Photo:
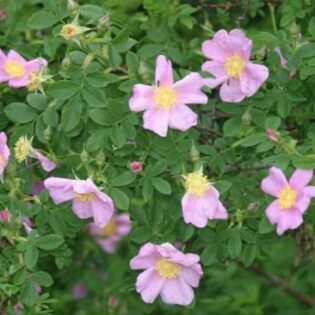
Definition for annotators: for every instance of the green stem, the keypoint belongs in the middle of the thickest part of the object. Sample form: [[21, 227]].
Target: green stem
[[273, 17]]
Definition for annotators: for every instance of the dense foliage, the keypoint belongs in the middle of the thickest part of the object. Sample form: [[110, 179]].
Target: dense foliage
[[77, 115]]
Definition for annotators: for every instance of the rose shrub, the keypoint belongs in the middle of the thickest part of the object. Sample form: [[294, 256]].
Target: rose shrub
[[139, 143]]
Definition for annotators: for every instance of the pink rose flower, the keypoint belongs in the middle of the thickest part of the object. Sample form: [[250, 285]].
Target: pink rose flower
[[164, 103], [16, 70], [231, 67], [136, 166], [109, 236], [4, 152], [87, 200], [201, 201], [5, 215], [167, 272], [293, 197]]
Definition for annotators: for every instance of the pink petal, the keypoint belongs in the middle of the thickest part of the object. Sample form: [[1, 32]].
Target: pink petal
[[82, 209], [146, 258], [108, 245], [12, 54], [18, 82], [221, 212], [274, 182], [149, 285], [156, 120], [4, 152], [300, 178], [142, 98], [191, 276], [123, 224], [302, 203], [45, 163], [253, 78], [219, 47], [216, 68], [177, 291], [60, 189], [182, 118], [283, 61], [290, 219], [163, 71], [102, 212], [193, 211], [309, 191], [3, 75], [231, 91], [189, 90], [273, 212], [240, 43], [36, 65]]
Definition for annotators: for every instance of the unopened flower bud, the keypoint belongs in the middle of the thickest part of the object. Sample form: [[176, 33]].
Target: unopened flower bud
[[104, 22], [246, 118], [88, 59], [5, 216], [144, 71], [194, 153], [84, 156], [136, 166], [272, 135], [65, 64], [47, 134], [100, 158], [72, 7]]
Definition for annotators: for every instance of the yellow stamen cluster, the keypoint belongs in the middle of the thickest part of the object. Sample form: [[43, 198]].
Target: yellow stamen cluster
[[197, 184], [22, 149], [165, 97], [85, 197], [14, 68], [287, 198], [69, 31], [110, 228], [34, 81], [167, 269], [234, 66]]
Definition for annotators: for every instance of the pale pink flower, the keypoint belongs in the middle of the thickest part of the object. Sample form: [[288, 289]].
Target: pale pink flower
[[201, 201], [136, 166], [5, 215], [79, 291], [109, 236], [231, 67], [4, 152], [16, 70], [272, 135], [164, 103], [167, 272], [87, 200], [293, 197]]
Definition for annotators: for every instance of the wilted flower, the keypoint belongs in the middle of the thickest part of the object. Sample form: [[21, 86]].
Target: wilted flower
[[87, 200], [72, 30], [201, 201], [284, 62], [23, 149], [293, 197], [164, 103], [136, 166], [109, 236], [167, 272], [16, 70], [4, 152], [231, 67]]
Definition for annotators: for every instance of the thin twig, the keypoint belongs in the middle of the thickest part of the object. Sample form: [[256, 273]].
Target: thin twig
[[229, 5], [284, 285], [209, 130]]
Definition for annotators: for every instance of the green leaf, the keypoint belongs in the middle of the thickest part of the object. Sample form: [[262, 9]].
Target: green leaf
[[43, 278], [101, 116], [28, 292], [232, 127], [123, 179], [37, 101], [63, 89], [51, 117], [248, 255], [49, 242], [96, 141], [161, 185], [120, 198], [117, 135], [252, 140], [41, 20], [94, 97], [31, 256], [20, 113], [265, 226], [234, 244], [140, 235], [273, 122], [71, 114]]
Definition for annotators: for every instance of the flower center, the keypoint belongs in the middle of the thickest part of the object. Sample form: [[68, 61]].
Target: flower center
[[86, 197], [167, 269], [69, 31], [22, 149], [14, 68], [234, 66], [197, 184], [165, 97], [110, 228], [34, 81], [287, 198]]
